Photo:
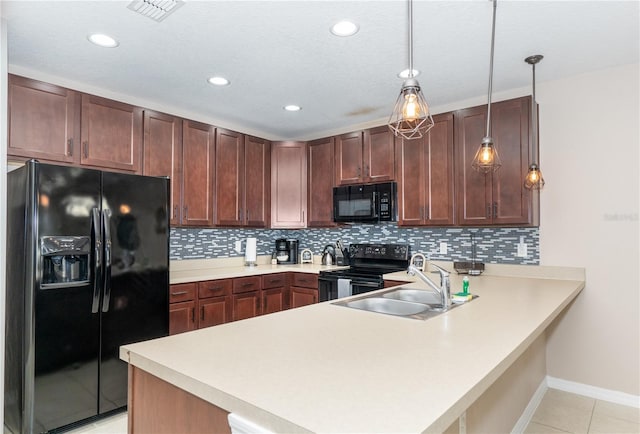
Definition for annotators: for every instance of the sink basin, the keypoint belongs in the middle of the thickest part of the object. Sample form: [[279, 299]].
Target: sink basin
[[388, 305], [416, 295]]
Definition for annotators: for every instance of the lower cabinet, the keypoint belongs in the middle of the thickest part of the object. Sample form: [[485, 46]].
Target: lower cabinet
[[304, 289], [212, 302]]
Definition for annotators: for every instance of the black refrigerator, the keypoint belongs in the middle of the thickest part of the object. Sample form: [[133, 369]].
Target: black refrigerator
[[87, 271]]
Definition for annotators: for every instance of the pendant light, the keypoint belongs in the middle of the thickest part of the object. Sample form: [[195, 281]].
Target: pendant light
[[410, 118], [534, 179], [486, 159]]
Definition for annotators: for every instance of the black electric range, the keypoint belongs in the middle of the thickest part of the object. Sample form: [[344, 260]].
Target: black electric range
[[368, 263]]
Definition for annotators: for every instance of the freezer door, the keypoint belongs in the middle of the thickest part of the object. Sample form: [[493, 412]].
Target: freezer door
[[63, 354], [135, 298]]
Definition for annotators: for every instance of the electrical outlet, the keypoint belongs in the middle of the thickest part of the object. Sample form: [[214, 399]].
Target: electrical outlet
[[238, 247], [443, 248], [522, 249]]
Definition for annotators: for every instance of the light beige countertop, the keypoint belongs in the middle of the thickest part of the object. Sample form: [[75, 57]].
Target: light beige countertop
[[327, 368], [208, 269]]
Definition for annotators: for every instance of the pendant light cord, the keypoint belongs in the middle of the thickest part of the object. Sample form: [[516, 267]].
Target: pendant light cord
[[534, 119], [410, 38], [493, 37]]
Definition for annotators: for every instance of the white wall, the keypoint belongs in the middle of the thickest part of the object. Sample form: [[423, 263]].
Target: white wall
[[3, 190], [589, 139]]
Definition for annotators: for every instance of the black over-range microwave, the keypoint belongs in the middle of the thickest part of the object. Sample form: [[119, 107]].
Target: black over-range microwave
[[365, 203]]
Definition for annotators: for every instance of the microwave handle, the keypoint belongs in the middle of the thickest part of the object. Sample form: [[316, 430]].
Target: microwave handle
[[375, 205]]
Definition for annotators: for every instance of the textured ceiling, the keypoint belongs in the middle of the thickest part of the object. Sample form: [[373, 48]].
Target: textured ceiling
[[281, 52]]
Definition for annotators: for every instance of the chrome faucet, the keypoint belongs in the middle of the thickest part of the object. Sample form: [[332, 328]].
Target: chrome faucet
[[445, 287]]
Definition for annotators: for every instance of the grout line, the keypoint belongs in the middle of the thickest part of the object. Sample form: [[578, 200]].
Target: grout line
[[593, 408]]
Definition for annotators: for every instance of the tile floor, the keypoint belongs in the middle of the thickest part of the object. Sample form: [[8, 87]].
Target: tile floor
[[559, 412], [564, 412]]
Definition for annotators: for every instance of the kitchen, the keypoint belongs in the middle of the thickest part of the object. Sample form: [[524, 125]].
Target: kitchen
[[584, 221]]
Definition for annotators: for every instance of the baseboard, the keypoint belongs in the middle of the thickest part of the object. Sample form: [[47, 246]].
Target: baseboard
[[594, 392], [530, 409]]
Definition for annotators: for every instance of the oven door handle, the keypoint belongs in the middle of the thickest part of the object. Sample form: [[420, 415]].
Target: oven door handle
[[365, 283]]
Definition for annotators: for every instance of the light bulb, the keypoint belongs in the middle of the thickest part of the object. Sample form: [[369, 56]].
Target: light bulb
[[486, 155], [411, 108], [534, 179]]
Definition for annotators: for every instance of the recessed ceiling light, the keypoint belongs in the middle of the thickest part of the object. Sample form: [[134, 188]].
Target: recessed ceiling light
[[344, 28], [219, 81], [103, 40], [292, 108], [405, 73]]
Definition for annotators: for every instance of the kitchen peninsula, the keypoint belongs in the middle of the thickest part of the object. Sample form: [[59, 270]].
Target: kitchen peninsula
[[328, 368]]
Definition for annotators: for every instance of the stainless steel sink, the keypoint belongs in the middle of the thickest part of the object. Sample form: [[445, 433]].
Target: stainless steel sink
[[403, 302], [416, 295], [388, 305]]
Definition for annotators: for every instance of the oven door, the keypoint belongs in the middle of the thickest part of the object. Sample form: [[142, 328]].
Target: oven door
[[333, 287]]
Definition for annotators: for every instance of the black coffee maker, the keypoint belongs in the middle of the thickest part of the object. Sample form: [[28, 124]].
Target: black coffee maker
[[287, 251]]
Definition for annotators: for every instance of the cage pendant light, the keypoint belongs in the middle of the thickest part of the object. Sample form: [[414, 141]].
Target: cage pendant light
[[534, 179], [487, 159], [410, 118]]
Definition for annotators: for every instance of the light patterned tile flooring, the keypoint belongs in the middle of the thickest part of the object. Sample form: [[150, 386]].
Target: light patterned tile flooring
[[559, 412]]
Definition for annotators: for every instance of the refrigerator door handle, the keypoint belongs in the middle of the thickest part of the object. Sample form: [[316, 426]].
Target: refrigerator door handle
[[106, 221], [97, 253]]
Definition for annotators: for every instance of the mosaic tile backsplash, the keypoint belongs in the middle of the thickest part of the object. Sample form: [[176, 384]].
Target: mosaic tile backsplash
[[492, 245]]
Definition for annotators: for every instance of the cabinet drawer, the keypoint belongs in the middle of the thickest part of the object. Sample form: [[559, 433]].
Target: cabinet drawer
[[274, 280], [246, 284], [182, 292], [214, 288], [306, 280]]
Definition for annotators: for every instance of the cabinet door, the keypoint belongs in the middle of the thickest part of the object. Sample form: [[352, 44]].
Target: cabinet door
[[510, 128], [257, 198], [198, 162], [439, 187], [182, 317], [44, 121], [288, 185], [348, 158], [303, 296], [246, 305], [473, 188], [111, 134], [321, 181], [163, 154], [411, 181], [214, 311], [378, 155], [229, 178], [274, 300]]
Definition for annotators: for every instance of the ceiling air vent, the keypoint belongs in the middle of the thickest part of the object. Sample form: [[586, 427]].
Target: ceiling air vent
[[157, 10]]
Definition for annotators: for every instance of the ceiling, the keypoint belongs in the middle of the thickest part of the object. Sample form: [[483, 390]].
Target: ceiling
[[281, 52]]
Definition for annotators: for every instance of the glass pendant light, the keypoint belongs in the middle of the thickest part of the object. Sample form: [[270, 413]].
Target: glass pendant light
[[534, 179], [410, 118], [486, 159]]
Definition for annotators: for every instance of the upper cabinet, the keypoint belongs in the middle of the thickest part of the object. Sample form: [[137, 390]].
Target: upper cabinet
[[365, 156], [425, 176], [320, 191], [198, 166], [163, 154], [497, 198], [111, 134], [44, 121], [242, 180], [288, 184], [55, 124]]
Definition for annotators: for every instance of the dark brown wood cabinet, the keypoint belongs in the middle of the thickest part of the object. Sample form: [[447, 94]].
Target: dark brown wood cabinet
[[320, 190], [246, 297], [163, 155], [198, 165], [111, 134], [365, 156], [242, 180], [304, 289], [288, 185], [497, 198], [275, 293], [182, 308], [425, 177], [44, 121]]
